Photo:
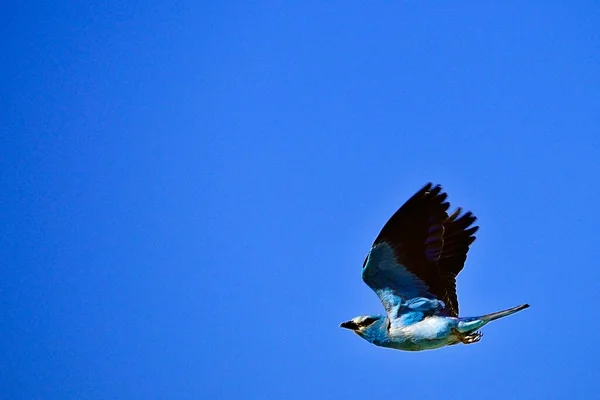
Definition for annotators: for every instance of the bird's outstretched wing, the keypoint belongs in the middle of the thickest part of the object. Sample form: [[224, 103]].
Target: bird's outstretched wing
[[419, 252]]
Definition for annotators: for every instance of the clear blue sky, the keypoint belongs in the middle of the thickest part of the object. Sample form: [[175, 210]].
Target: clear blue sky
[[189, 191]]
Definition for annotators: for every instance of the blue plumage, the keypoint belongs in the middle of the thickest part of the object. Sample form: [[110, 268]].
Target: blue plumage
[[412, 267]]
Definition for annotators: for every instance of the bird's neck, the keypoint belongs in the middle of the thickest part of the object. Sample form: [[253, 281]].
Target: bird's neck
[[377, 332]]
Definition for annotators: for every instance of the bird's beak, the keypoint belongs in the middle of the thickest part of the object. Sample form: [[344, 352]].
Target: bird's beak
[[349, 325]]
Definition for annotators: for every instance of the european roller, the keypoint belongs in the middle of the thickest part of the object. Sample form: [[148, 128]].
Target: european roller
[[412, 267]]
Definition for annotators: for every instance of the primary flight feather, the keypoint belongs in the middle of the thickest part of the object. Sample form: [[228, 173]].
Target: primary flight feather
[[412, 267]]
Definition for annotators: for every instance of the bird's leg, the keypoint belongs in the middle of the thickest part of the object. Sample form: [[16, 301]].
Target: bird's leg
[[468, 338]]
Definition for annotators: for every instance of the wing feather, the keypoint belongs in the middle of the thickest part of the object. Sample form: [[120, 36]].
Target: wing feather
[[420, 251]]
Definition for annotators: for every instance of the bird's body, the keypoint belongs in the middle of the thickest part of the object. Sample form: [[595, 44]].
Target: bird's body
[[412, 266], [428, 333]]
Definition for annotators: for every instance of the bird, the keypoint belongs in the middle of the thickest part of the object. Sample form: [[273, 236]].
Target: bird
[[412, 267]]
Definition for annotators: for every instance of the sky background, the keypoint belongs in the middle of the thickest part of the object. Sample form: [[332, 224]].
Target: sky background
[[189, 191]]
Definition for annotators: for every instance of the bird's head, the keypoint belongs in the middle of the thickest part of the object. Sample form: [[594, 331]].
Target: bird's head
[[363, 324]]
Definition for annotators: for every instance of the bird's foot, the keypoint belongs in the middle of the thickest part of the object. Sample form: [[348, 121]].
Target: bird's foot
[[472, 337]]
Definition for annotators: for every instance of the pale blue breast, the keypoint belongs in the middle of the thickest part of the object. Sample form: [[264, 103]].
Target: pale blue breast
[[430, 333]]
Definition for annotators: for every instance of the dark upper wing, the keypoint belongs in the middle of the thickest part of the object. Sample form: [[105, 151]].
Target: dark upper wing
[[428, 243], [458, 236]]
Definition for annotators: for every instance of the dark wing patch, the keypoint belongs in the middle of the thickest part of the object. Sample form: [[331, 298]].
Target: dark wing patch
[[458, 236], [430, 244], [415, 233]]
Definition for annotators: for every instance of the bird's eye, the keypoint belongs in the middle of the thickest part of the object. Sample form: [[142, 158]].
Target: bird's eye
[[368, 321]]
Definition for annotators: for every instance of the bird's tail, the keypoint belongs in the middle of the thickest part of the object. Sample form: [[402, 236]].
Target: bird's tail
[[504, 313], [472, 323]]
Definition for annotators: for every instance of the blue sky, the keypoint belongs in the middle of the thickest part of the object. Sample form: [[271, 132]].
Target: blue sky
[[189, 191]]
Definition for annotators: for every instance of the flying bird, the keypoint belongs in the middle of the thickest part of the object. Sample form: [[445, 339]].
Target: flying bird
[[412, 267]]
